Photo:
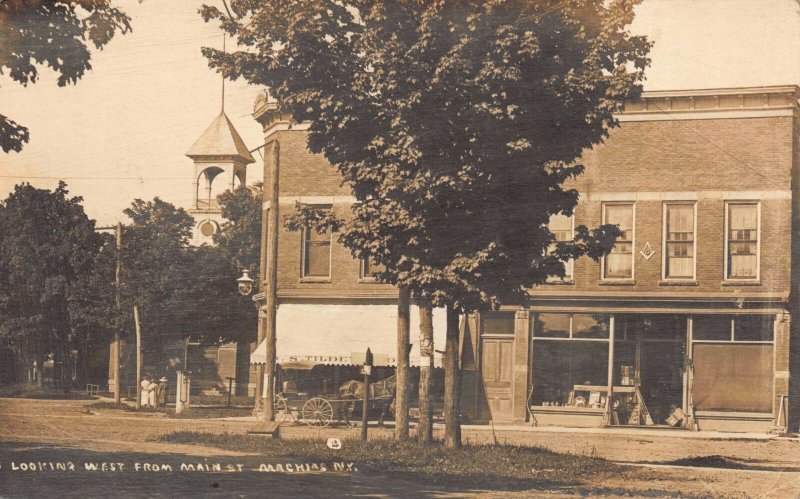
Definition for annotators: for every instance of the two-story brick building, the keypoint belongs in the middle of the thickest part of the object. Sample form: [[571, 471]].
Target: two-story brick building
[[686, 322]]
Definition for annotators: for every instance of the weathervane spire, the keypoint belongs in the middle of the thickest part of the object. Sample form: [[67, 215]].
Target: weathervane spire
[[223, 76]]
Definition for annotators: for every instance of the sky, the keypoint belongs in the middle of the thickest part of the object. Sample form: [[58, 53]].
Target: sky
[[123, 130]]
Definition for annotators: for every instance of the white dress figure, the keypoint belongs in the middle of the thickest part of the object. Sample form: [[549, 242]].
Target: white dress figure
[[145, 398], [151, 394]]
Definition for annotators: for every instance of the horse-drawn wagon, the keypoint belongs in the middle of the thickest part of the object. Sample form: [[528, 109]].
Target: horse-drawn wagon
[[322, 409]]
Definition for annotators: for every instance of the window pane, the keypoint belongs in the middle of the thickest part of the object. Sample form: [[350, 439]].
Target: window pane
[[621, 215], [561, 227], [369, 268], [743, 217], [711, 327], [590, 326], [497, 322], [731, 377], [753, 328], [560, 223], [318, 259], [680, 241], [619, 263], [312, 235], [551, 325], [742, 241], [651, 327], [560, 365]]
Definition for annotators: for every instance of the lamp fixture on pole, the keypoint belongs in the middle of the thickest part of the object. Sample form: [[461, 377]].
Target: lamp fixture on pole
[[245, 283]]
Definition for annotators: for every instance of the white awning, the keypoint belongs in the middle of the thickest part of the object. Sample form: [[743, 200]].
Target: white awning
[[341, 334]]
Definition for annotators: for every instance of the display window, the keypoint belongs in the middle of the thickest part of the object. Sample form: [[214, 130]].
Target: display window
[[733, 363], [570, 360]]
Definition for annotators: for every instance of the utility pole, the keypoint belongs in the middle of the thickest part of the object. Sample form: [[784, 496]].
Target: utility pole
[[114, 351], [271, 276], [118, 298], [138, 359]]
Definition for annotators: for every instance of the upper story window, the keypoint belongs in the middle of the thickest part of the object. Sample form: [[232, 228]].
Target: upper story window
[[619, 263], [316, 253], [562, 228], [367, 270], [742, 240], [679, 241]]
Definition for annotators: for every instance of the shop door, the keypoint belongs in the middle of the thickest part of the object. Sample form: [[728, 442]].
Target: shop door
[[496, 367]]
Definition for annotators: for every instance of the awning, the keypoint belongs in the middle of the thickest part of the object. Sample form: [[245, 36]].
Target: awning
[[341, 334]]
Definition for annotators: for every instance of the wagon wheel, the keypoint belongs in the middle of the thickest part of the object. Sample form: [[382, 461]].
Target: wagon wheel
[[280, 409], [317, 412]]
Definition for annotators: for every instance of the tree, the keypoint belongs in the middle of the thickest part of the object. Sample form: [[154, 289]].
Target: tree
[[221, 312], [54, 33], [48, 249], [455, 124]]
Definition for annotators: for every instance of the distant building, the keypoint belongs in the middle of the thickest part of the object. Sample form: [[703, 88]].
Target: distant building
[[685, 323], [220, 163]]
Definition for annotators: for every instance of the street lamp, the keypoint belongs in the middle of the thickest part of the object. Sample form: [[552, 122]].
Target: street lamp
[[245, 283]]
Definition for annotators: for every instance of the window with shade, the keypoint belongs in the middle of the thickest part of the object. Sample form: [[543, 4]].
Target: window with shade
[[742, 241], [733, 362], [679, 238], [562, 228], [316, 253], [618, 264]]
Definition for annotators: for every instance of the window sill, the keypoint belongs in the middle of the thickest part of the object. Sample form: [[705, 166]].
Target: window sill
[[368, 280], [561, 282], [732, 282], [617, 282], [315, 279], [676, 282]]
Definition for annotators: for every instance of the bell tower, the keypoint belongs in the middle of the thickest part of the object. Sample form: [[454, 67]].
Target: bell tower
[[220, 163]]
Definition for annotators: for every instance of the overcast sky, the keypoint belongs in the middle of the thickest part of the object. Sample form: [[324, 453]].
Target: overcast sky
[[122, 132]]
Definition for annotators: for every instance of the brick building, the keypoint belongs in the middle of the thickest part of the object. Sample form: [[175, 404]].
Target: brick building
[[686, 322]]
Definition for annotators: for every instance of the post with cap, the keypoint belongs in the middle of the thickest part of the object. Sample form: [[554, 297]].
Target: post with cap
[[367, 371]]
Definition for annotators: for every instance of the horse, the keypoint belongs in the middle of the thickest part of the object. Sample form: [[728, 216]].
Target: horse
[[383, 391]]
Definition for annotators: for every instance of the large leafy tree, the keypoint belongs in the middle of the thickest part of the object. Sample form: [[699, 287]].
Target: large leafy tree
[[455, 123], [52, 33], [221, 313], [48, 252]]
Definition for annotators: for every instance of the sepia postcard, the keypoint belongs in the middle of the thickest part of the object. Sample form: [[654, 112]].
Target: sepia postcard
[[329, 248]]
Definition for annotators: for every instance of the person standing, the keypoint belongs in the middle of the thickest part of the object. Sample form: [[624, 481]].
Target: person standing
[[144, 400], [161, 392]]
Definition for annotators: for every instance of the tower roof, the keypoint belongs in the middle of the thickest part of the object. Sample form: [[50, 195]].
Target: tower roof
[[221, 139]]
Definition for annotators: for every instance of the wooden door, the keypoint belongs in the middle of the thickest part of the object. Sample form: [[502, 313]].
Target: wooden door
[[496, 368]]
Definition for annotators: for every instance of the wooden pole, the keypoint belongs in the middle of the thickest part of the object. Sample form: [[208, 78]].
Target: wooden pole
[[115, 350], [452, 380], [403, 351], [138, 358], [365, 406], [272, 284], [425, 428]]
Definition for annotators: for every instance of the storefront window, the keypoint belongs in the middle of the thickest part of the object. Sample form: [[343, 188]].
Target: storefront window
[[558, 366], [570, 359], [733, 373], [551, 325], [590, 326]]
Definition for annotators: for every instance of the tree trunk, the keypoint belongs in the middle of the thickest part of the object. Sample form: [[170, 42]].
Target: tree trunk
[[425, 429], [403, 351], [452, 380]]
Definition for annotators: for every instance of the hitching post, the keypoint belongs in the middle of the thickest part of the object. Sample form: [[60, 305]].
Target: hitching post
[[230, 389], [367, 371]]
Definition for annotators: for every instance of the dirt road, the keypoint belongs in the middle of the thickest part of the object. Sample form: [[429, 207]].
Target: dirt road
[[45, 433]]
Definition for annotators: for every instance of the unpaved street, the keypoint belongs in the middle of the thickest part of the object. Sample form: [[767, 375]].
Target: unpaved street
[[45, 433]]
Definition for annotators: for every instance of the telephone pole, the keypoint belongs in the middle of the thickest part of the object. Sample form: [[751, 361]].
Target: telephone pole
[[116, 347]]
